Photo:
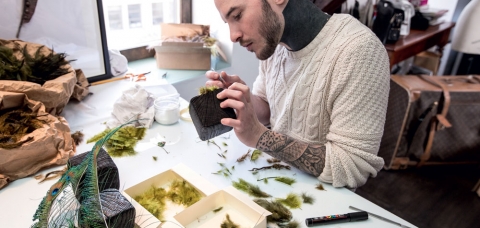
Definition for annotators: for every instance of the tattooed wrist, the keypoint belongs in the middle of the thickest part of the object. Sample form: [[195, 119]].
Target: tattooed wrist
[[306, 157], [271, 141]]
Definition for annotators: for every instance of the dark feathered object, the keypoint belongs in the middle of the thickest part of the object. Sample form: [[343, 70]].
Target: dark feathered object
[[14, 124], [206, 114], [37, 68], [45, 67], [280, 214]]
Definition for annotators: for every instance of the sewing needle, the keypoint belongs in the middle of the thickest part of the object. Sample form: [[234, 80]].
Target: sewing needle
[[220, 78]]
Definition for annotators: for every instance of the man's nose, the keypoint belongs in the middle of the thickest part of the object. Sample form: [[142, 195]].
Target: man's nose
[[235, 34]]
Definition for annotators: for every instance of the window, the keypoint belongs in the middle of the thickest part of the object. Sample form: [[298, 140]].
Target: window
[[135, 16], [157, 13], [115, 17], [135, 23]]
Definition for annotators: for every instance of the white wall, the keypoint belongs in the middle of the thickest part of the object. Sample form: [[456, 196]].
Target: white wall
[[205, 12], [444, 4], [450, 6], [243, 63]]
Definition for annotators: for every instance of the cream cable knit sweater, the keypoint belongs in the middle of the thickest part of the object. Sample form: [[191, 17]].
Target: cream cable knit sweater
[[333, 92]]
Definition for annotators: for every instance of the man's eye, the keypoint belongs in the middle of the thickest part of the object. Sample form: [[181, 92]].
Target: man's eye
[[237, 17]]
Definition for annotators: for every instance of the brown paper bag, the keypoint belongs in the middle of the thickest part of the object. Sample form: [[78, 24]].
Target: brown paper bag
[[80, 90], [51, 145], [54, 94]]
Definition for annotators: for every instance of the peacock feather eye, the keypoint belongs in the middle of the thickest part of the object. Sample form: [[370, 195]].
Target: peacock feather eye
[[54, 192]]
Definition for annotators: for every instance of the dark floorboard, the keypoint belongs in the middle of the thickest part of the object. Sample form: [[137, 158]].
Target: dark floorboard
[[430, 197]]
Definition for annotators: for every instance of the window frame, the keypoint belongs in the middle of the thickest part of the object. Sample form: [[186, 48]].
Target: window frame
[[141, 52]]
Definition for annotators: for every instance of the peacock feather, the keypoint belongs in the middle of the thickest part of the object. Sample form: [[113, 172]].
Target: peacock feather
[[74, 201]]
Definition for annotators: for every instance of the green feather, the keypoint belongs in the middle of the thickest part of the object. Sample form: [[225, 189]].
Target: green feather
[[61, 211], [255, 155], [286, 180], [252, 190], [292, 201]]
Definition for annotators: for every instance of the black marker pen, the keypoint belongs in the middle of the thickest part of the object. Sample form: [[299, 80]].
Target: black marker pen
[[349, 217]]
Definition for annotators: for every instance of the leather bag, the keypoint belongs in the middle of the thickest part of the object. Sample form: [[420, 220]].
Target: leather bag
[[432, 120], [388, 22]]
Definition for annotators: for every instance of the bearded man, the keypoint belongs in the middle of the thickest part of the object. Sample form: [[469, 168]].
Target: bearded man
[[320, 99]]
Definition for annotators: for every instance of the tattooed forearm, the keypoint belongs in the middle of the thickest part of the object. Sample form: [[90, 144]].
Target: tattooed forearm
[[306, 157]]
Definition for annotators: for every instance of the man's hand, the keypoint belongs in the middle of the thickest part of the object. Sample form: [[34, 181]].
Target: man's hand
[[214, 79], [247, 127]]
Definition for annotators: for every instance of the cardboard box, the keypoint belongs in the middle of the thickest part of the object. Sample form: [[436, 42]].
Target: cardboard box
[[145, 218], [183, 56], [241, 209], [428, 60], [170, 30]]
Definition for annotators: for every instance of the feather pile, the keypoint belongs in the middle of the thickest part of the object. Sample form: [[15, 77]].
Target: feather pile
[[37, 68], [15, 124]]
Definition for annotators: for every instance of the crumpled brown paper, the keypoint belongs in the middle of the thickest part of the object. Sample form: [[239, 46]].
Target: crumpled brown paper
[[54, 94], [52, 145], [80, 90]]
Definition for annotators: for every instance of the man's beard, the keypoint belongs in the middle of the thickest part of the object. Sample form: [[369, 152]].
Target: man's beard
[[270, 29]]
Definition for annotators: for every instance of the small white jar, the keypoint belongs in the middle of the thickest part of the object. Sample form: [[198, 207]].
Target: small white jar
[[167, 110]]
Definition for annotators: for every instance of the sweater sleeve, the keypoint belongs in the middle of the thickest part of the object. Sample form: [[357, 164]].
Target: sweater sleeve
[[259, 86], [357, 105]]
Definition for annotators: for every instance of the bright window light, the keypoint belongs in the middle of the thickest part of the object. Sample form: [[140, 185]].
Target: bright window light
[[135, 23]]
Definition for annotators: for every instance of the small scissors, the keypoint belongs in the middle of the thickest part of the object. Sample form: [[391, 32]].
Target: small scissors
[[139, 77]]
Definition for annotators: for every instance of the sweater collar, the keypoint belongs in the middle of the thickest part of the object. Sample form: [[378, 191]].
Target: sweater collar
[[303, 22], [317, 40]]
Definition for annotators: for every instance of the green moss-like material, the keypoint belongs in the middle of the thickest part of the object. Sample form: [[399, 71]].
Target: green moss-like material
[[206, 89], [228, 223], [286, 180], [280, 214], [122, 143], [181, 192], [250, 189], [255, 155], [154, 201], [292, 201], [307, 198]]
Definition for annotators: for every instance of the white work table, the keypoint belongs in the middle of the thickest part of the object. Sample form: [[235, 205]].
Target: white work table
[[20, 199]]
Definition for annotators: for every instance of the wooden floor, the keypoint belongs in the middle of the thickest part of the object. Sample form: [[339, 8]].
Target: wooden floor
[[435, 196]]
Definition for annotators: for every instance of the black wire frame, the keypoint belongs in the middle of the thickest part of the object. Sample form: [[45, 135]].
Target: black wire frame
[[103, 37]]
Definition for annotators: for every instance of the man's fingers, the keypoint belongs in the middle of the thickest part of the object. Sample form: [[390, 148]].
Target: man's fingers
[[228, 93], [230, 79], [212, 75], [231, 122], [238, 105], [218, 84], [243, 88]]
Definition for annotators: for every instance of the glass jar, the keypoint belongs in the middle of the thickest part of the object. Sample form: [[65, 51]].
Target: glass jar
[[167, 110]]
